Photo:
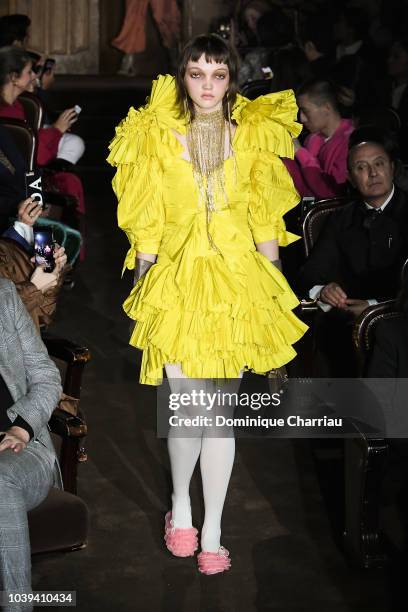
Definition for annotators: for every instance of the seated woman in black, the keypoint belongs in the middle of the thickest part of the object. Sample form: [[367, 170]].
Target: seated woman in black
[[12, 178]]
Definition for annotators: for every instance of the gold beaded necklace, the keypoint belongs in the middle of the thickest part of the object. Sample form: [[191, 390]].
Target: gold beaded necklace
[[206, 147]]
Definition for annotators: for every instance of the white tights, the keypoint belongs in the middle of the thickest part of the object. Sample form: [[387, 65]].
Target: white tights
[[216, 462]]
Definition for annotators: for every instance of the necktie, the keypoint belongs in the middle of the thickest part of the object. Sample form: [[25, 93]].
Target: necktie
[[370, 215]]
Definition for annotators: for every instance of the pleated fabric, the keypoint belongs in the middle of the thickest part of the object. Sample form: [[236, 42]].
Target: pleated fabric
[[215, 311]]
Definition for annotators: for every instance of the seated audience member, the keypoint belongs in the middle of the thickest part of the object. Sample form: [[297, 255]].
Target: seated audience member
[[273, 30], [290, 69], [16, 76], [350, 33], [252, 12], [387, 120], [358, 67], [12, 178], [14, 30], [320, 165], [30, 387], [359, 254], [71, 147], [316, 37], [389, 359], [12, 188], [38, 289], [398, 70]]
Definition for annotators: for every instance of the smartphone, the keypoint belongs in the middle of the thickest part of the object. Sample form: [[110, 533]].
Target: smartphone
[[49, 64], [77, 109], [44, 248]]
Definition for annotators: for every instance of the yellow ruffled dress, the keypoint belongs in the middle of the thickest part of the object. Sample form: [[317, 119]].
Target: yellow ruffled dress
[[213, 311]]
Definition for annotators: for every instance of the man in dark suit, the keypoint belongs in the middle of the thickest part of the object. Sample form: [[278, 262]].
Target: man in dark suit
[[358, 258]]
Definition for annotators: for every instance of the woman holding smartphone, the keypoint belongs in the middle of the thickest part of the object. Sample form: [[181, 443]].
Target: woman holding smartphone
[[16, 77], [202, 192]]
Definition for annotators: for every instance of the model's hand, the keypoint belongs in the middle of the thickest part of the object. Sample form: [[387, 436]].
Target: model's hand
[[356, 306], [334, 295], [66, 119], [28, 211], [143, 263], [43, 280], [15, 438]]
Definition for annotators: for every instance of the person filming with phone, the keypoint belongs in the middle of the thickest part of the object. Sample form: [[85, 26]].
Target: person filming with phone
[[37, 286]]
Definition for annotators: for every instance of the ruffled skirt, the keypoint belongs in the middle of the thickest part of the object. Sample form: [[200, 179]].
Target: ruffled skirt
[[214, 318]]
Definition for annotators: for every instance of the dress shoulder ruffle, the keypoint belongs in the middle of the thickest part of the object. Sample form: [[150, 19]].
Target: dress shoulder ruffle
[[141, 140], [267, 123], [145, 131]]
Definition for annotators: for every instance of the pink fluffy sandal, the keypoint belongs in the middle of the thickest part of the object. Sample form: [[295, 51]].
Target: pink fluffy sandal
[[180, 542], [214, 563]]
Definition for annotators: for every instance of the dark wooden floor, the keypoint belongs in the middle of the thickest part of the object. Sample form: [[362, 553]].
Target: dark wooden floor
[[282, 533]]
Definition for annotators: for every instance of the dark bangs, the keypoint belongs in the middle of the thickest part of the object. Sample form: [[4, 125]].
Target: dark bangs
[[212, 46], [215, 49]]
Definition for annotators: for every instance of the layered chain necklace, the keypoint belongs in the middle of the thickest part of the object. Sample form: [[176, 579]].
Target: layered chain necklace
[[206, 146]]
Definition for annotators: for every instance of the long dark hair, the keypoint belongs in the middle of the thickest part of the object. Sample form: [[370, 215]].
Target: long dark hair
[[215, 49], [12, 61]]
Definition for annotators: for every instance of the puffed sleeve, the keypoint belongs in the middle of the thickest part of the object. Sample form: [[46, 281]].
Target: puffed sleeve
[[138, 183], [266, 127], [142, 139], [272, 195], [138, 187]]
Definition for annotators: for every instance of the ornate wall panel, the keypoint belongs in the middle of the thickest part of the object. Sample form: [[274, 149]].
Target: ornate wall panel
[[67, 30]]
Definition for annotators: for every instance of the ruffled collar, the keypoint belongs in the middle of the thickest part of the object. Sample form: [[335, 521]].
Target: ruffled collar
[[266, 123]]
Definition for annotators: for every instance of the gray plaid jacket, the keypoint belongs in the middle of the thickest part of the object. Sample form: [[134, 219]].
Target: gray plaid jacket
[[32, 378]]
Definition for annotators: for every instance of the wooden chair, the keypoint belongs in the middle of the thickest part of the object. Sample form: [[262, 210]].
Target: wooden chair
[[60, 522], [312, 225], [25, 139], [316, 218], [33, 110], [253, 89], [364, 460]]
